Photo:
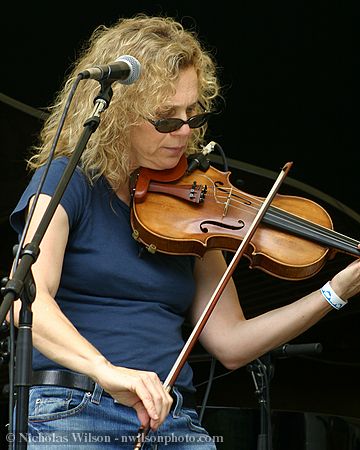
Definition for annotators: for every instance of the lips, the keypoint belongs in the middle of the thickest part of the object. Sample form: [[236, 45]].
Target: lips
[[177, 149]]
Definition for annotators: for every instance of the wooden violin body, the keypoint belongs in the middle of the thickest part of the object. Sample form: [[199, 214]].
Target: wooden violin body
[[201, 211]]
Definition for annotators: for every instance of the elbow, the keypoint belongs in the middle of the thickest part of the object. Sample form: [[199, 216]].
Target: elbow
[[232, 362], [231, 365], [230, 356]]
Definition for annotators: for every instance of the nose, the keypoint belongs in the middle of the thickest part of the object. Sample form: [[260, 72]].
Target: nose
[[184, 130]]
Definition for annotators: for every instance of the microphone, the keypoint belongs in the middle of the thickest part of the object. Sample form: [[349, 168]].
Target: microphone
[[199, 160], [126, 69], [288, 350]]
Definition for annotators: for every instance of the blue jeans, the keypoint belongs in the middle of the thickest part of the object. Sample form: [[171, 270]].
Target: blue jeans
[[64, 419]]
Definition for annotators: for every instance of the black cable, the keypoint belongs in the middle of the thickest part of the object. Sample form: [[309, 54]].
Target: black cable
[[223, 156], [11, 372], [215, 378], [47, 166], [20, 246], [208, 387]]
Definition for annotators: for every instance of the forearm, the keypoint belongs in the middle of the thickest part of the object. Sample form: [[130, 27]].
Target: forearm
[[56, 338], [236, 341], [246, 340], [261, 334]]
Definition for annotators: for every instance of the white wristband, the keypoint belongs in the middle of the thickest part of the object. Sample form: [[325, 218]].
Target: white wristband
[[331, 296]]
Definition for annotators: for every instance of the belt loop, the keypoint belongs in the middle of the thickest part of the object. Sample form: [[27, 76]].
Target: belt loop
[[97, 393]]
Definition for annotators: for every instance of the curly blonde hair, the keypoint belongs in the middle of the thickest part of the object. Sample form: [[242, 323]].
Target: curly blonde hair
[[163, 48]]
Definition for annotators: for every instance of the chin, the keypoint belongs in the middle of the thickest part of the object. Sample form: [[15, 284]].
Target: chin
[[171, 163], [164, 162]]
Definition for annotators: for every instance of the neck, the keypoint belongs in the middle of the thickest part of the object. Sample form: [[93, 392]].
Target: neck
[[123, 192]]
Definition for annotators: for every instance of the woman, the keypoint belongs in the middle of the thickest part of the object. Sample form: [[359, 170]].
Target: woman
[[107, 317]]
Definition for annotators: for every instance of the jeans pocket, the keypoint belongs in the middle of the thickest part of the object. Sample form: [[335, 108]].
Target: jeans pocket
[[53, 402]]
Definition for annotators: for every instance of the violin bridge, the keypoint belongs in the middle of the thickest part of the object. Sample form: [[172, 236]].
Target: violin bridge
[[227, 203]]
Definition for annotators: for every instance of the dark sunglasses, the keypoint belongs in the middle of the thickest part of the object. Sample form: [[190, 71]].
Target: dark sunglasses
[[173, 124]]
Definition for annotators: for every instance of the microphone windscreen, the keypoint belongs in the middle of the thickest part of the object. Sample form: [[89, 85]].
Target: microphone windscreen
[[135, 68]]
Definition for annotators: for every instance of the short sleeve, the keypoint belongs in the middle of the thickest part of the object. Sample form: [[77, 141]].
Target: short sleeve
[[73, 200]]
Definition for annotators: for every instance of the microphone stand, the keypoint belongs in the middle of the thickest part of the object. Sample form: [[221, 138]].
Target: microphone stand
[[262, 371], [22, 284]]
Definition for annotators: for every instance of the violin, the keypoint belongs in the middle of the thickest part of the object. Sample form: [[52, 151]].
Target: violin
[[177, 212]]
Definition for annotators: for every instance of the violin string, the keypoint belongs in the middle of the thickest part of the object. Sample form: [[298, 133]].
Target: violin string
[[293, 218], [303, 225], [306, 228], [328, 232]]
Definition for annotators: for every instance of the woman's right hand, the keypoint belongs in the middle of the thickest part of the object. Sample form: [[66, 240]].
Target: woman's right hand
[[138, 389]]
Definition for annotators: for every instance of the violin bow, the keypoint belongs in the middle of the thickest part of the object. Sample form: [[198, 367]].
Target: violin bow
[[186, 350]]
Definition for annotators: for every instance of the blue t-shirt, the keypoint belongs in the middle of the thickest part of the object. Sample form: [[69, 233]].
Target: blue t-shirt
[[129, 304]]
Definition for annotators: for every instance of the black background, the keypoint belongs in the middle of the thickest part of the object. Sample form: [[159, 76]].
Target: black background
[[287, 72], [286, 68]]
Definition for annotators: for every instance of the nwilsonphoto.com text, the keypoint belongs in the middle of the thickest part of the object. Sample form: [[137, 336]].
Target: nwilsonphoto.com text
[[84, 438]]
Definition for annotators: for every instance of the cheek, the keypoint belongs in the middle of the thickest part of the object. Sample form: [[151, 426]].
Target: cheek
[[144, 142]]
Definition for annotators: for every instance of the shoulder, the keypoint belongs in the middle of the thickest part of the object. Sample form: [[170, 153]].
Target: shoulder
[[74, 198]]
